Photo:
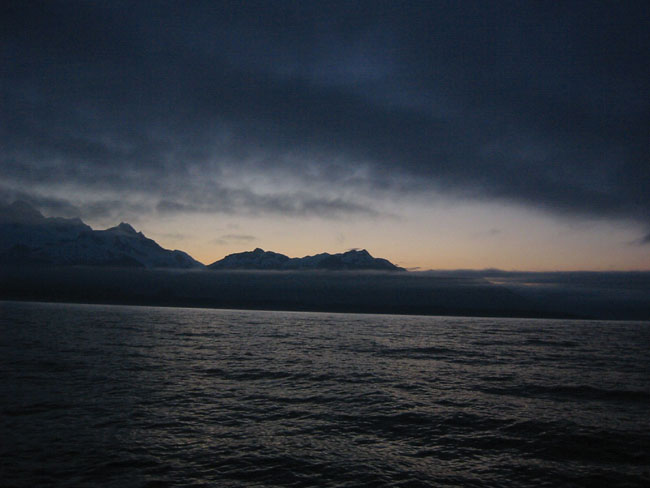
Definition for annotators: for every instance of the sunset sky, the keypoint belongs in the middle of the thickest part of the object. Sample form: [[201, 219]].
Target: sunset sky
[[438, 135]]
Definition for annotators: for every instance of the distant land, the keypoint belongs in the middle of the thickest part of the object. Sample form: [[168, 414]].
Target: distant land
[[27, 237], [260, 259], [57, 259]]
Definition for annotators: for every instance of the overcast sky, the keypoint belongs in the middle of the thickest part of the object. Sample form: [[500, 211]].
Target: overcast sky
[[435, 134]]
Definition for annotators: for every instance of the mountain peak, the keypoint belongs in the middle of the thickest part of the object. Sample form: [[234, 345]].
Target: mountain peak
[[35, 239], [255, 259], [357, 252], [124, 228], [353, 259]]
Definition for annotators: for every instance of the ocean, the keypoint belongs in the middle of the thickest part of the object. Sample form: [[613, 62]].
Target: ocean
[[97, 395]]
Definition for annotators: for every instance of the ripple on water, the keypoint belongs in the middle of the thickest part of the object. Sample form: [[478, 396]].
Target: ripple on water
[[127, 396]]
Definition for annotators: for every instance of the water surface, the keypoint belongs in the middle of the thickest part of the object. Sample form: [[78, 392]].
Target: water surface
[[137, 396]]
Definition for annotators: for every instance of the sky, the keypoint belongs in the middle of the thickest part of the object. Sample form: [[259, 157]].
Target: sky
[[438, 135]]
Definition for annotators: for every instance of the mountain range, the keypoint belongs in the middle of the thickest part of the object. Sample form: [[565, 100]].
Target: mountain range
[[28, 237], [260, 259], [60, 259]]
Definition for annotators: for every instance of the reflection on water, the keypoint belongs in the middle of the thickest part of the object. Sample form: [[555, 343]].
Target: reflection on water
[[131, 396]]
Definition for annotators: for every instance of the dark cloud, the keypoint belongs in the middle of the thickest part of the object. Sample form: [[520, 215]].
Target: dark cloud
[[90, 208], [242, 201], [487, 233], [239, 237], [645, 240], [536, 103], [174, 236], [234, 239]]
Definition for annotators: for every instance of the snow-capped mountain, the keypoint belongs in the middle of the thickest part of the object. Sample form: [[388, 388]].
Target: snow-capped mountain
[[260, 259], [257, 259], [26, 236]]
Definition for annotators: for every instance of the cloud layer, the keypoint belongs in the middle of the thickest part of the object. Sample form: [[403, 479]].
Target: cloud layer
[[326, 110]]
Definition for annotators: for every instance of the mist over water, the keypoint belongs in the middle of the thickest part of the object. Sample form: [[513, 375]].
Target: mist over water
[[141, 396]]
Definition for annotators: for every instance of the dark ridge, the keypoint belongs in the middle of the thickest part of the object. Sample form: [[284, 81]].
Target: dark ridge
[[259, 259], [26, 237]]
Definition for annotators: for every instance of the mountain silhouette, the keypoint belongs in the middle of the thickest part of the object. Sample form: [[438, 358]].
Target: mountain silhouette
[[27, 237], [260, 259]]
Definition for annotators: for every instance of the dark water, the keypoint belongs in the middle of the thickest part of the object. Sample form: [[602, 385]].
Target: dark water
[[121, 396]]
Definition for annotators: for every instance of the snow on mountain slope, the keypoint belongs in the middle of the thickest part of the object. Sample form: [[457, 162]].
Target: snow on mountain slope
[[21, 224], [26, 236]]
